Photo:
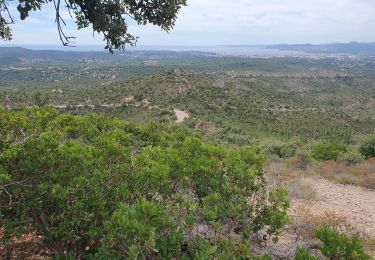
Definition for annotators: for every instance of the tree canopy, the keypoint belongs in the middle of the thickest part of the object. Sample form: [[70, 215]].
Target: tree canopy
[[105, 16]]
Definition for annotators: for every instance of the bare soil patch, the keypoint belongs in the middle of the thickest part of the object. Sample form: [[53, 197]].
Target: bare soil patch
[[29, 247], [348, 208], [181, 115], [355, 204]]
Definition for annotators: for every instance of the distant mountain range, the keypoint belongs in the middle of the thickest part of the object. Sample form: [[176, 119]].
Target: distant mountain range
[[9, 55], [330, 48]]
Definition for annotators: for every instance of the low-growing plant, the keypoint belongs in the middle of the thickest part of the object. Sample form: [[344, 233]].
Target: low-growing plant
[[337, 246], [282, 150], [351, 158], [302, 254], [300, 161], [360, 174], [298, 189]]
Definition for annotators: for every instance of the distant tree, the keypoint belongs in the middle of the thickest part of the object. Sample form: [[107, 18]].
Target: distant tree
[[105, 16]]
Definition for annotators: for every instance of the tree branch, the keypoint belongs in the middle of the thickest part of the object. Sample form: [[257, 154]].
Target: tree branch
[[63, 38]]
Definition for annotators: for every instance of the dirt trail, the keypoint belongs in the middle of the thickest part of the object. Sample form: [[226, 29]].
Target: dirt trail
[[355, 204]]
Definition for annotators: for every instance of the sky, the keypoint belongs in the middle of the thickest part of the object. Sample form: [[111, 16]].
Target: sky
[[224, 22]]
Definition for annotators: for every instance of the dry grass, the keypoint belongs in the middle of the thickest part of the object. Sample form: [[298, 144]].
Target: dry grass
[[280, 175], [362, 174], [298, 189], [282, 172], [304, 222], [309, 223]]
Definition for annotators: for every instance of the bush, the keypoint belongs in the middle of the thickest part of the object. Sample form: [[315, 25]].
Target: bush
[[351, 158], [108, 189], [367, 149], [326, 151], [336, 246], [302, 254], [282, 150], [300, 161]]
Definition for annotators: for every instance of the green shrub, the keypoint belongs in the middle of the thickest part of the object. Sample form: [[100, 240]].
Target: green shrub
[[367, 149], [351, 157], [326, 151], [336, 246], [302, 254], [108, 189], [282, 150]]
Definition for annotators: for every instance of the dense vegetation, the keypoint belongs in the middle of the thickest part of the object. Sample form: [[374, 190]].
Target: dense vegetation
[[107, 173], [94, 186], [247, 99]]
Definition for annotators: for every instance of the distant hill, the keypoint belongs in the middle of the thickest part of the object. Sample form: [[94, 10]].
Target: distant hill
[[11, 55], [15, 55], [331, 48]]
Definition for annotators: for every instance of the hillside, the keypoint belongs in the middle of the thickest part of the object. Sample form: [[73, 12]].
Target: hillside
[[185, 155], [241, 104]]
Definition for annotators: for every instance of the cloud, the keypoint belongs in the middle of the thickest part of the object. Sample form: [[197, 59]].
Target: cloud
[[213, 22]]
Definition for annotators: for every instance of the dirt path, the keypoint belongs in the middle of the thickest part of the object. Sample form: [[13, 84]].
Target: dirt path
[[334, 203], [355, 204], [181, 115]]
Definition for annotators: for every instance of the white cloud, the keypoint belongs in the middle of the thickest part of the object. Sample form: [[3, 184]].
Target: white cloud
[[210, 22]]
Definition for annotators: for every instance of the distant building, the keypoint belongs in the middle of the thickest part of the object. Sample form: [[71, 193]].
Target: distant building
[[151, 63]]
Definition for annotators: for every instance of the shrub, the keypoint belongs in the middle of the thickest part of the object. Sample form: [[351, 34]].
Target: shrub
[[351, 158], [282, 150], [105, 188], [300, 161], [337, 246], [304, 158], [302, 254], [367, 149], [326, 151]]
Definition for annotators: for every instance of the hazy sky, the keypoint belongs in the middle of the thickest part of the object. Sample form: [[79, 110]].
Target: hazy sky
[[219, 22]]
